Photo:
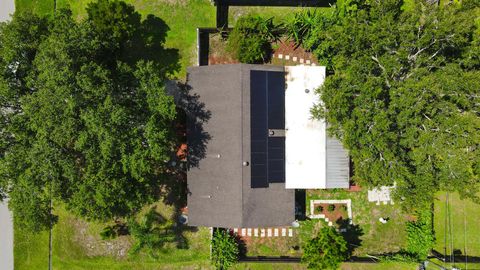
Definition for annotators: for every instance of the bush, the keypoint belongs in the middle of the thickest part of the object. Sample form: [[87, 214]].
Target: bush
[[319, 209], [326, 251], [420, 237], [331, 208], [250, 40], [225, 250]]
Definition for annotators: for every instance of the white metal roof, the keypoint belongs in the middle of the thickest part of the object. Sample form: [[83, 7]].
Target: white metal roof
[[312, 159]]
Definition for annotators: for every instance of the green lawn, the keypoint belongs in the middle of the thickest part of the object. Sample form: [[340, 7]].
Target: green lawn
[[376, 238], [465, 214], [343, 266], [77, 245]]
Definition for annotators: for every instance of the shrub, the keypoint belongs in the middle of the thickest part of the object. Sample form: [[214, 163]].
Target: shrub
[[225, 250], [326, 251], [420, 237], [250, 40], [331, 208], [319, 209]]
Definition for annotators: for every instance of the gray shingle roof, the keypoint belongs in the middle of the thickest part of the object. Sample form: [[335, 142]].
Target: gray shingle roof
[[219, 142]]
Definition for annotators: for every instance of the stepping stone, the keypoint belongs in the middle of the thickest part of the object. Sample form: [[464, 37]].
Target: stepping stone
[[249, 231], [255, 232], [280, 56], [307, 62], [275, 232], [235, 230], [302, 60], [326, 219], [290, 233], [294, 59], [269, 232], [262, 232], [244, 231], [287, 57], [284, 232], [330, 223]]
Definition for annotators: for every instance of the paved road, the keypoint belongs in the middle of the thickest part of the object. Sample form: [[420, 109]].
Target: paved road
[[6, 238], [7, 7]]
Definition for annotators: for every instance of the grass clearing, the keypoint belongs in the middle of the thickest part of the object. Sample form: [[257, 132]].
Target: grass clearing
[[376, 238], [464, 214], [77, 245]]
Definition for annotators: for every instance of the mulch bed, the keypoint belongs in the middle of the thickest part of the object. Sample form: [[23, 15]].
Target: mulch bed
[[338, 214]]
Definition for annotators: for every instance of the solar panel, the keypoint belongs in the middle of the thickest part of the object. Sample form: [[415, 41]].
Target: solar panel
[[267, 111], [258, 129]]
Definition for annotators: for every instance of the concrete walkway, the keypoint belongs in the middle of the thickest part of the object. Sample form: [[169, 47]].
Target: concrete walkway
[[7, 7]]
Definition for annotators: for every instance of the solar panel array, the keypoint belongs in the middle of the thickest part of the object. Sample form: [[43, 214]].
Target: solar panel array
[[267, 111]]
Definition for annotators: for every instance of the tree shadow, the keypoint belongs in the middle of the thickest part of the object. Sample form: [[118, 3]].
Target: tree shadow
[[148, 44], [456, 256], [351, 233], [242, 246], [196, 116], [123, 35]]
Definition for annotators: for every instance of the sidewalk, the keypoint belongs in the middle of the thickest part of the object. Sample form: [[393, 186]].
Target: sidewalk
[[7, 7]]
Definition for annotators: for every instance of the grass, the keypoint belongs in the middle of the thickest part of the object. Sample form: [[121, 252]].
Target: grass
[[464, 214], [377, 238], [76, 245], [343, 266]]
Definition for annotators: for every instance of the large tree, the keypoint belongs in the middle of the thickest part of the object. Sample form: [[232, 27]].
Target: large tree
[[403, 92], [85, 116]]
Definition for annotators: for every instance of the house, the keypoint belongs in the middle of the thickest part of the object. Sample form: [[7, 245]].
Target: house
[[256, 143]]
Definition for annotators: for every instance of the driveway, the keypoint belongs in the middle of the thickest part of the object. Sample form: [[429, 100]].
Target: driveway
[[7, 7]]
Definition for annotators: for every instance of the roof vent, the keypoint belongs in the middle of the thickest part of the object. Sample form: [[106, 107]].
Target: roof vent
[[307, 91], [245, 163]]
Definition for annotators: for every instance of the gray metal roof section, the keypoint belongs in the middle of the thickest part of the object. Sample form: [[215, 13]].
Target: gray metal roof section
[[338, 164], [219, 142]]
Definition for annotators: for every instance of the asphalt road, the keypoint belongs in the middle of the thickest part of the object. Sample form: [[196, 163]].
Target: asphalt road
[[7, 7]]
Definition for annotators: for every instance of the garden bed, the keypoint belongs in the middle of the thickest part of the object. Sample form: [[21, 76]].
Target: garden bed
[[335, 212]]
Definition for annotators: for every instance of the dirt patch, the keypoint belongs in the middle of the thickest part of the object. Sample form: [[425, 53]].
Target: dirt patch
[[338, 214], [93, 245], [218, 53]]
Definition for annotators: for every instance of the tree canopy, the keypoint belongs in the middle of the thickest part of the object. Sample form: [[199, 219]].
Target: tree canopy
[[402, 92], [85, 118], [325, 251]]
